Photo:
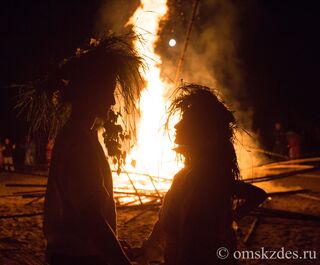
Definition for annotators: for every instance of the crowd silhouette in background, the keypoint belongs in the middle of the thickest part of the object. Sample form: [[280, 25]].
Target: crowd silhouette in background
[[24, 155]]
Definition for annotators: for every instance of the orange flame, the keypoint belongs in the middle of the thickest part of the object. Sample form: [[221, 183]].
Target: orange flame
[[153, 151]]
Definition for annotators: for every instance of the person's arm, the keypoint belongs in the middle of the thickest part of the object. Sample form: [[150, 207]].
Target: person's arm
[[156, 233], [105, 240], [252, 195], [153, 247]]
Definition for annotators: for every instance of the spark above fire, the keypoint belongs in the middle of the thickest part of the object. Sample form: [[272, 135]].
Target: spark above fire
[[172, 42]]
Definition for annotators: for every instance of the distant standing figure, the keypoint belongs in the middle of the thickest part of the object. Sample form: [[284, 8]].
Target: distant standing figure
[[294, 145], [30, 152], [1, 156], [7, 150], [49, 148], [279, 140]]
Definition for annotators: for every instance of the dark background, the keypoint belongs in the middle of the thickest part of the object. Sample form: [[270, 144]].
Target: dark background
[[279, 49]]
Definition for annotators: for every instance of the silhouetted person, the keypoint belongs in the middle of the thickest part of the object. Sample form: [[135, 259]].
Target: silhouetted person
[[294, 145], [1, 156], [80, 215], [49, 148], [30, 152], [279, 140], [197, 213], [7, 151]]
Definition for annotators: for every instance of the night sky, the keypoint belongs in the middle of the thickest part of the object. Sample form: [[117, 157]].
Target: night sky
[[279, 50]]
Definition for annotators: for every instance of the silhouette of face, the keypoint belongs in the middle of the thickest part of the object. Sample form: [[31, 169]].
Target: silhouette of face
[[100, 97], [104, 98], [188, 131]]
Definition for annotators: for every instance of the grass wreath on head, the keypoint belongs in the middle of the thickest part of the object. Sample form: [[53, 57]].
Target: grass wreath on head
[[209, 124], [46, 102]]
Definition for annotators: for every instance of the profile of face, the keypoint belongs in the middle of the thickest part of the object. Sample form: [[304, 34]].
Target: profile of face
[[104, 99], [100, 97], [7, 141], [188, 131]]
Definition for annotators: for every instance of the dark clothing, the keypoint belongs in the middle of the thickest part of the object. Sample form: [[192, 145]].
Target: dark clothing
[[79, 187], [196, 217], [279, 143], [8, 150]]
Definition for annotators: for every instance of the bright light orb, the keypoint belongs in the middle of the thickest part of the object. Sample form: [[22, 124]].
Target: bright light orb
[[172, 42]]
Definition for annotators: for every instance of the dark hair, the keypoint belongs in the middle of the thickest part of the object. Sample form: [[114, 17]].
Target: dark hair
[[210, 115]]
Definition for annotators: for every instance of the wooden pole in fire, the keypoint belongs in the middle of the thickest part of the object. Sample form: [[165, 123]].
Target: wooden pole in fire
[[134, 187], [185, 45]]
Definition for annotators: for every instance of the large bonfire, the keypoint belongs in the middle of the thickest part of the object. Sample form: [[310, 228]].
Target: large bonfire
[[156, 163], [149, 178]]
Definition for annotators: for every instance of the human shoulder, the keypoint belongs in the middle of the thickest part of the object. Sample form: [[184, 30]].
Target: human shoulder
[[181, 175]]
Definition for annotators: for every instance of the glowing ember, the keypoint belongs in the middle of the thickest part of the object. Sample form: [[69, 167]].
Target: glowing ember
[[172, 42]]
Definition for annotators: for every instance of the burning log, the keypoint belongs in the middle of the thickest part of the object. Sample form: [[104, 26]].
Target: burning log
[[282, 175], [35, 195], [154, 186], [21, 215], [28, 192], [30, 173], [143, 174], [134, 187], [25, 185], [35, 200], [141, 194], [267, 212], [152, 205], [270, 194], [134, 202], [10, 195]]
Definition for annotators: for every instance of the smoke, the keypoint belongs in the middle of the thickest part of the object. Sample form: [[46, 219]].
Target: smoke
[[113, 16], [213, 49]]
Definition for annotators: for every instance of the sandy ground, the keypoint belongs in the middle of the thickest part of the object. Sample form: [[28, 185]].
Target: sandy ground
[[22, 242]]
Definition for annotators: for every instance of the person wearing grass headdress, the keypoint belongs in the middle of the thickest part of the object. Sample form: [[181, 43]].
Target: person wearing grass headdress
[[196, 217], [80, 214]]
